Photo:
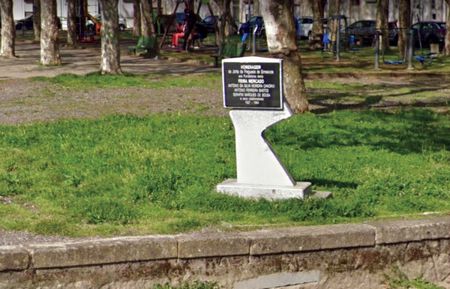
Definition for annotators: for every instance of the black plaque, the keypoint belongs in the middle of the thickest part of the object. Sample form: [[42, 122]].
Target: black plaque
[[252, 85]]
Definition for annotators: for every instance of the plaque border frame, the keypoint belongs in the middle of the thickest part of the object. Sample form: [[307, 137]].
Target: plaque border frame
[[254, 59]]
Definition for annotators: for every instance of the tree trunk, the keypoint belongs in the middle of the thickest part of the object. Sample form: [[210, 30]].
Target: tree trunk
[[334, 9], [110, 59], [137, 31], [8, 30], [83, 15], [382, 22], [447, 35], [317, 30], [49, 34], [190, 4], [37, 20], [280, 31], [72, 37], [224, 7], [404, 21], [147, 27]]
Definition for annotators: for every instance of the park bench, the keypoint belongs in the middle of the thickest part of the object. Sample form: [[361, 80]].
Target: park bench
[[144, 46], [426, 58], [230, 48]]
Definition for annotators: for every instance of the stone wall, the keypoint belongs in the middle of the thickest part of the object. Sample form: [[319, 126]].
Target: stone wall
[[336, 256]]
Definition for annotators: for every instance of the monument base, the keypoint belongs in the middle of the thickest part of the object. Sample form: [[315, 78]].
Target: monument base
[[232, 187]]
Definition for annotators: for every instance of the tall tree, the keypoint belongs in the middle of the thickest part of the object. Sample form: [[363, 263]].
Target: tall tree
[[334, 10], [404, 21], [318, 7], [280, 30], [447, 35], [37, 20], [49, 34], [147, 27], [110, 59], [137, 18], [8, 29], [382, 22], [72, 37], [225, 15]]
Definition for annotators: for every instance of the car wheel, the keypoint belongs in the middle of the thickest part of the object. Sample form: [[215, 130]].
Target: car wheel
[[310, 35], [122, 27]]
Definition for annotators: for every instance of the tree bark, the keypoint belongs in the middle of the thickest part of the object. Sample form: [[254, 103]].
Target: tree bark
[[110, 59], [404, 21], [147, 27], [8, 30], [382, 22], [280, 31], [225, 14], [447, 35], [37, 20], [334, 9], [49, 34], [317, 29], [137, 31], [72, 37]]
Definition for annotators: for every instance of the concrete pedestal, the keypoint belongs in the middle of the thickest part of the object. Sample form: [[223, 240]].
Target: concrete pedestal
[[269, 192], [259, 172]]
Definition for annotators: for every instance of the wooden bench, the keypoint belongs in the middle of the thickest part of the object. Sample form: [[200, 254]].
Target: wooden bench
[[230, 49], [144, 47]]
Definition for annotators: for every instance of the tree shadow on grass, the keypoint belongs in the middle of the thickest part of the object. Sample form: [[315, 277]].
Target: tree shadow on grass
[[333, 183], [403, 132]]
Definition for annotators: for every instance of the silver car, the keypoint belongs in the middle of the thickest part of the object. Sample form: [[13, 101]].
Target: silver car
[[304, 26]]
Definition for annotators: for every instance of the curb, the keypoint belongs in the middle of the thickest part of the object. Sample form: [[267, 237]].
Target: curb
[[206, 245]]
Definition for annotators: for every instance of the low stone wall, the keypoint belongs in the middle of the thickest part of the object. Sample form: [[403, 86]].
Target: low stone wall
[[336, 256]]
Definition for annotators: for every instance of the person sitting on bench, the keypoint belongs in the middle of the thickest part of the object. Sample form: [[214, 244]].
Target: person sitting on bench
[[181, 27]]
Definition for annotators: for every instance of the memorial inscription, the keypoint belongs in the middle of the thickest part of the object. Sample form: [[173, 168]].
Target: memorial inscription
[[253, 89], [250, 85]]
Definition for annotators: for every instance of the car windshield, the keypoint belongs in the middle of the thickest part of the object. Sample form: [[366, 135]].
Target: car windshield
[[209, 19], [307, 21]]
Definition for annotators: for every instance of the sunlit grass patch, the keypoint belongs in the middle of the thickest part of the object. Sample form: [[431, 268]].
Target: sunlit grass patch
[[157, 81], [157, 174]]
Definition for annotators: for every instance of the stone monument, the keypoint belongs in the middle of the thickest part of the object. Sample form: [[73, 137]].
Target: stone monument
[[253, 89]]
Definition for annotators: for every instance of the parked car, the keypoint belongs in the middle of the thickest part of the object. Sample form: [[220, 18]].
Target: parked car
[[255, 21], [364, 32], [209, 23], [27, 23], [428, 32], [98, 17], [164, 21], [304, 26]]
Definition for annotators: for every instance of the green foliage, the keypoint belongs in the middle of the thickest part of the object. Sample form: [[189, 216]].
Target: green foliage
[[401, 281], [132, 175]]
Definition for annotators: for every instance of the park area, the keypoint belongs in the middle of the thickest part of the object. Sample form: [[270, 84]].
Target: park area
[[86, 155]]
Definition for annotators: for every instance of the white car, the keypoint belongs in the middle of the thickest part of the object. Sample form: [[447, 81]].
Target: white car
[[304, 26]]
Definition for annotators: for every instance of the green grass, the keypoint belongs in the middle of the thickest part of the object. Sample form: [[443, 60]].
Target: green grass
[[399, 280], [156, 81], [417, 283], [131, 175]]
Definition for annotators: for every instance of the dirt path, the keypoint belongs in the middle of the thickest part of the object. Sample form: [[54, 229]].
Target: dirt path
[[87, 60]]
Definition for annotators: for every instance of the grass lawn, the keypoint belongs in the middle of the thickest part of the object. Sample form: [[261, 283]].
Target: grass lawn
[[156, 174]]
